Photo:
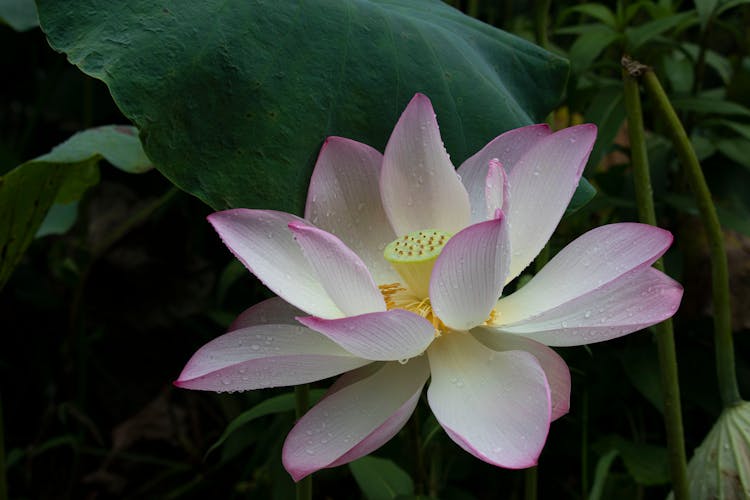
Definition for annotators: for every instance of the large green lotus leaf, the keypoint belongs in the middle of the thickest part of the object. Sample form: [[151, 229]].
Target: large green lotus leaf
[[233, 99]]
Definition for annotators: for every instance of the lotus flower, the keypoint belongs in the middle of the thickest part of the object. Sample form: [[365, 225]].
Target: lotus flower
[[395, 276]]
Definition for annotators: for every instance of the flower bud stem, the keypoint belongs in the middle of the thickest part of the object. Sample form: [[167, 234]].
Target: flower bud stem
[[664, 331], [725, 367]]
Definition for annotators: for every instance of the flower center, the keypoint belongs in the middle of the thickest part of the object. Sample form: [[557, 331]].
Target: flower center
[[413, 256]]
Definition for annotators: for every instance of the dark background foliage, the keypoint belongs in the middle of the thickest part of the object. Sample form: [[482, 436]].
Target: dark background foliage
[[98, 321]]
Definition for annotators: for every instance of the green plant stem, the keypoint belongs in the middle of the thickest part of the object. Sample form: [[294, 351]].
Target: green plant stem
[[725, 368], [585, 444], [664, 331], [302, 400], [541, 21], [3, 474], [530, 483]]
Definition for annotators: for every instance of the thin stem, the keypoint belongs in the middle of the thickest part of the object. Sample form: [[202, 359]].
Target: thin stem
[[418, 457], [541, 20], [530, 483], [302, 400], [664, 331], [3, 475], [585, 444], [730, 394]]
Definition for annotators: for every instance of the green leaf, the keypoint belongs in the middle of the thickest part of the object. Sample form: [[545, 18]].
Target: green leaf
[[595, 10], [600, 474], [647, 464], [59, 219], [704, 105], [381, 479], [19, 14], [276, 404], [728, 218], [118, 144], [607, 111], [28, 191], [233, 99], [589, 45], [584, 193], [705, 9], [736, 149], [637, 37]]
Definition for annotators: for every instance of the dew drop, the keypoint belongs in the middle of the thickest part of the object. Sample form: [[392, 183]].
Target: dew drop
[[310, 451], [255, 347]]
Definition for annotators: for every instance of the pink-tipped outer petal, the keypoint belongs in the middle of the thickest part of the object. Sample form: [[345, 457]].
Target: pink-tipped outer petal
[[265, 356], [495, 405], [361, 412], [505, 149], [497, 190], [273, 311], [344, 199], [555, 368], [633, 301], [590, 261], [418, 183], [542, 182], [261, 240], [469, 274], [342, 273], [382, 336]]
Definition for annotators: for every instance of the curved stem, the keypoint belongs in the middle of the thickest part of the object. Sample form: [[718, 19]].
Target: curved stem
[[727, 376], [302, 403], [664, 331]]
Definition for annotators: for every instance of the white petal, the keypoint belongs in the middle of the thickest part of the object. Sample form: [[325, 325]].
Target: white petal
[[265, 356], [383, 336], [555, 368], [261, 240], [469, 274], [362, 411], [633, 301], [507, 149], [273, 311], [495, 405], [344, 199], [497, 189], [342, 273], [542, 183], [592, 260], [418, 184]]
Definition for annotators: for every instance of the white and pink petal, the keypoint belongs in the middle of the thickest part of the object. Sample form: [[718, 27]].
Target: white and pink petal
[[469, 274], [344, 199], [361, 412], [418, 183], [261, 240], [342, 273], [273, 311], [505, 149], [589, 262], [555, 368], [393, 335], [495, 405], [541, 184], [633, 301], [263, 356]]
